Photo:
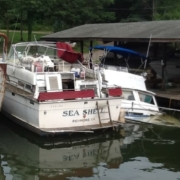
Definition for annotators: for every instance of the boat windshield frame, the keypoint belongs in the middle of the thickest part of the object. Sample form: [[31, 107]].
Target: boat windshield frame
[[23, 49]]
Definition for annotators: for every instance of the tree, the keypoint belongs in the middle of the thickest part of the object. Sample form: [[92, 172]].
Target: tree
[[145, 10], [132, 11], [32, 9], [69, 13], [8, 13], [166, 10]]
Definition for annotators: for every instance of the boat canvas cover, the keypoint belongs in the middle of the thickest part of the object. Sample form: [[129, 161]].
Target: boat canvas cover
[[119, 50], [66, 53]]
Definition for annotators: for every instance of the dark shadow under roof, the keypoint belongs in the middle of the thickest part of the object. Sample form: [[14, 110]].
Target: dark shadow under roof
[[161, 31]]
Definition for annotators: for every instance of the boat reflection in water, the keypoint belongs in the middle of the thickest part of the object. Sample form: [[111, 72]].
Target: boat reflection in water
[[148, 151], [36, 158], [151, 148]]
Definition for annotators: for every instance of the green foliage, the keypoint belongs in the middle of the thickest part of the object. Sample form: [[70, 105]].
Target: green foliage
[[56, 15], [169, 10], [77, 12], [14, 37]]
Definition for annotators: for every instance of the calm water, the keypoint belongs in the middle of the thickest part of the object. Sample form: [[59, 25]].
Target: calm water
[[136, 152]]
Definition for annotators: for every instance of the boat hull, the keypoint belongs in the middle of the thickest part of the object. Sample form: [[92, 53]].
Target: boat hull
[[54, 117], [134, 108]]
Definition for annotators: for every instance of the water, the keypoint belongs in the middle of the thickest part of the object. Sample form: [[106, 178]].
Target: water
[[136, 152]]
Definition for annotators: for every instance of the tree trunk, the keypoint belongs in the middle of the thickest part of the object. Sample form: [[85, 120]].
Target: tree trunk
[[29, 23], [7, 26]]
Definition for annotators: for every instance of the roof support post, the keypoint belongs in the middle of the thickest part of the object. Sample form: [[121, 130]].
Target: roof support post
[[90, 58], [82, 46], [115, 55], [163, 63]]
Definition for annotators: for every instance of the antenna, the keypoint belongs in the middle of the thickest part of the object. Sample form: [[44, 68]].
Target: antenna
[[147, 54]]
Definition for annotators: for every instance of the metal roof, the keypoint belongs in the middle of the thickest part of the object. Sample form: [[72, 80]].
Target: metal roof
[[161, 31]]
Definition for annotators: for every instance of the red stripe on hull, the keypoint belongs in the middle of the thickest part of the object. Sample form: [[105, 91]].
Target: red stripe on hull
[[66, 95]]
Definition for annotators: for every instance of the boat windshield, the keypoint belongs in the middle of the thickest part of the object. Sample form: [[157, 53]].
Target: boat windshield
[[128, 95], [146, 98], [21, 50]]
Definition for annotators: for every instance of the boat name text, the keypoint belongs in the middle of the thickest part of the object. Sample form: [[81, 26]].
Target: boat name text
[[85, 112]]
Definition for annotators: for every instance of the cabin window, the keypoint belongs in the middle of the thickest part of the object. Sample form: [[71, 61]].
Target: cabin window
[[21, 84], [94, 87], [24, 86], [128, 95], [146, 98], [28, 87]]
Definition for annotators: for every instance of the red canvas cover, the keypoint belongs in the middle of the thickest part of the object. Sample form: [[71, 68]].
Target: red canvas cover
[[43, 96], [66, 53], [115, 92]]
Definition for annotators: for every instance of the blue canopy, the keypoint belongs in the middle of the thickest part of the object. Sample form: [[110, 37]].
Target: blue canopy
[[119, 50]]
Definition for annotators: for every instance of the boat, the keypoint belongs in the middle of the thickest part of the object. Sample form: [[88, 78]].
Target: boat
[[3, 69], [48, 91], [138, 103]]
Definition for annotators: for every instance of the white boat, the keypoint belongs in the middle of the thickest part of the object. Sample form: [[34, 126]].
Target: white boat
[[3, 69], [137, 101], [50, 96]]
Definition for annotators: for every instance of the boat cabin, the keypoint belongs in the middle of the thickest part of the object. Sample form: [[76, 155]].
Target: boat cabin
[[37, 69]]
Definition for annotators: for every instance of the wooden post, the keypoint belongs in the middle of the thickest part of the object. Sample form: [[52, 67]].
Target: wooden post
[[82, 46], [115, 55], [122, 116], [90, 60], [91, 44], [163, 63]]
